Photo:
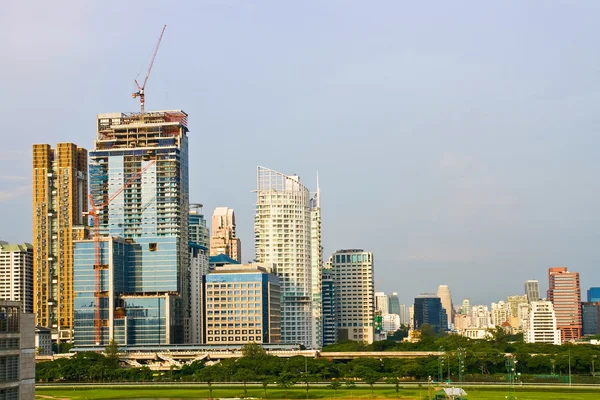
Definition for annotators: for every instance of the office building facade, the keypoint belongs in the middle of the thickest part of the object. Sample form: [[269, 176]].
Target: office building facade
[[593, 294], [565, 294], [224, 239], [16, 270], [443, 292], [532, 290], [352, 271], [59, 193], [328, 296], [283, 229], [197, 229], [17, 354], [394, 303], [242, 305], [590, 315], [381, 303], [541, 326], [428, 310]]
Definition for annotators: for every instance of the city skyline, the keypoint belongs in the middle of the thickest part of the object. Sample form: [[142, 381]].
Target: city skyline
[[470, 201]]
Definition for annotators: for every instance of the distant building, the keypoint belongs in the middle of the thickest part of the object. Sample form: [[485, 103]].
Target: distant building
[[197, 231], [481, 317], [593, 294], [393, 303], [224, 239], [565, 294], [381, 303], [242, 305], [194, 331], [500, 313], [465, 309], [352, 272], [404, 315], [532, 290], [43, 341], [541, 327], [17, 353], [514, 303], [219, 261], [60, 184], [443, 293], [391, 323], [16, 270], [428, 310], [590, 312], [328, 295]]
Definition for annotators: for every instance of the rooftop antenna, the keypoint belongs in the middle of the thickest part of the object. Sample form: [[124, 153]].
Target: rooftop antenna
[[140, 92]]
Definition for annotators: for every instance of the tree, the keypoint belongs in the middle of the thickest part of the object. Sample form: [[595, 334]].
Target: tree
[[286, 381], [243, 375], [207, 375], [335, 385], [265, 380], [369, 377], [351, 385], [253, 350], [112, 352], [394, 381], [307, 378]]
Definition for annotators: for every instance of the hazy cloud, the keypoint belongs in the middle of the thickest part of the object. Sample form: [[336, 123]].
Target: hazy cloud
[[13, 193]]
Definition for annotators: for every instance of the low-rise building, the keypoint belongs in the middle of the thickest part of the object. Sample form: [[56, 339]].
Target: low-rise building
[[43, 341]]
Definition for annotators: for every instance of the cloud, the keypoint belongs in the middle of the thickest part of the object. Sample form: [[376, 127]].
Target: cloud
[[13, 193]]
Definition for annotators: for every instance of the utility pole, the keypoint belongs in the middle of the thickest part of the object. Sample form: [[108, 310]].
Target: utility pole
[[461, 363]]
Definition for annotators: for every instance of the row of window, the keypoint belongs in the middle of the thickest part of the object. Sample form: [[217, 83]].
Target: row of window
[[236, 339]]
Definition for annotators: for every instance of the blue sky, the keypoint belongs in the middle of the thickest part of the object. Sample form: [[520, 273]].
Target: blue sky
[[456, 140]]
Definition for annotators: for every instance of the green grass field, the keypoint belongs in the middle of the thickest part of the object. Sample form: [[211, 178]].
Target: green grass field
[[183, 392]]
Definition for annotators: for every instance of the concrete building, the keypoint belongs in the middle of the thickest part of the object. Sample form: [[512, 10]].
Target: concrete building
[[197, 231], [16, 270], [394, 303], [465, 309], [284, 229], [513, 303], [242, 305], [17, 354], [481, 317], [593, 294], [139, 182], [428, 310], [352, 272], [60, 182], [391, 323], [541, 327], [43, 341], [565, 294], [224, 239], [443, 293], [316, 267], [328, 295], [590, 313], [199, 267], [404, 315], [381, 303], [532, 290], [500, 313]]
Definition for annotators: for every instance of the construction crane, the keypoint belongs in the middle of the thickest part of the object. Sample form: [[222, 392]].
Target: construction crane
[[140, 92], [98, 265]]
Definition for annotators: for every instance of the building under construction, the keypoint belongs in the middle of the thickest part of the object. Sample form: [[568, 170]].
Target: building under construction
[[59, 200], [134, 286]]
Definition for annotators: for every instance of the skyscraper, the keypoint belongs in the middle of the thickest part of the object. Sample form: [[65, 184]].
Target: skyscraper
[[404, 315], [60, 181], [316, 273], [465, 309], [352, 272], [224, 239], [565, 294], [443, 293], [381, 303], [394, 304], [428, 310], [283, 228], [198, 232], [328, 296], [593, 294], [532, 290], [541, 326], [139, 182], [16, 270]]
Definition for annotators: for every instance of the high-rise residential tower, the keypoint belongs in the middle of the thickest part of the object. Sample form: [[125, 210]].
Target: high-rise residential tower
[[352, 272], [541, 325], [60, 182], [465, 308], [139, 172], [316, 268], [381, 303], [284, 231], [224, 239], [198, 232], [565, 294], [16, 270], [532, 290], [443, 293]]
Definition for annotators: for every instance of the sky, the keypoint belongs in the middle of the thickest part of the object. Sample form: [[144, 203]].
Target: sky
[[457, 141]]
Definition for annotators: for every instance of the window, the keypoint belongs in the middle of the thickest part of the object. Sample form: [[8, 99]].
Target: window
[[152, 246]]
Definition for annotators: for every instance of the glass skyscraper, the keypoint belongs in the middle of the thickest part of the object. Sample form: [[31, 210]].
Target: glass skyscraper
[[428, 310]]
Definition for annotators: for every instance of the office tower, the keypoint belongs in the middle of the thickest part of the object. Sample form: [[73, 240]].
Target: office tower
[[17, 353], [541, 327], [532, 290], [465, 309], [328, 296], [590, 315], [242, 305], [197, 230], [381, 303], [394, 303], [139, 185], [565, 294], [224, 239], [316, 273], [60, 181], [593, 294], [443, 293], [352, 272], [428, 310], [16, 270], [282, 230], [404, 317]]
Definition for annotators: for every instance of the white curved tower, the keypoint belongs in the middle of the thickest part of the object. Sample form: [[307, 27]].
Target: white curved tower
[[443, 293]]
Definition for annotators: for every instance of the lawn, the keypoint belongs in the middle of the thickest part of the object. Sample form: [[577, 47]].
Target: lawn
[[363, 393]]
